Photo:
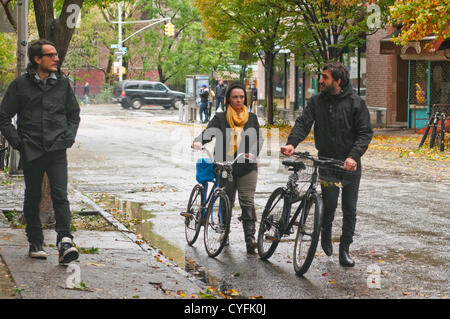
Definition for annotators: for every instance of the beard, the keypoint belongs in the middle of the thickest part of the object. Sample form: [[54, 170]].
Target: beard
[[328, 88]]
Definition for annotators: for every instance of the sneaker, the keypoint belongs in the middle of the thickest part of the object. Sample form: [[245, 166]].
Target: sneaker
[[36, 251], [67, 251]]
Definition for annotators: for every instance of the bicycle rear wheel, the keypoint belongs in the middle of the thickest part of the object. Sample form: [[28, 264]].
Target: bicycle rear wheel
[[217, 224], [308, 232], [272, 227], [193, 215]]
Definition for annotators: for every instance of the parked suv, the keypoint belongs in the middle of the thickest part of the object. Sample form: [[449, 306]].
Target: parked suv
[[134, 94]]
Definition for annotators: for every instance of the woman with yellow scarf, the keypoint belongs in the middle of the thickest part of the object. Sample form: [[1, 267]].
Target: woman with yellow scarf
[[237, 131]]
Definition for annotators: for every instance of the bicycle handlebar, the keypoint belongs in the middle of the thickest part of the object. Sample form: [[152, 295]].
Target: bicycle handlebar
[[211, 157], [322, 161]]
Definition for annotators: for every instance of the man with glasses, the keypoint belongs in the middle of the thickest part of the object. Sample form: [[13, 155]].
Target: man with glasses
[[47, 122]]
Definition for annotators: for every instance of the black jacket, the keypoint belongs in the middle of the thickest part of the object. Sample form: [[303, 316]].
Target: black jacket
[[251, 142], [221, 90], [341, 125], [47, 115]]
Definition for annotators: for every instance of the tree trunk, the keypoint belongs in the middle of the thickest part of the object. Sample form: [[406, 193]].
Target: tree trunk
[[59, 30], [269, 92], [46, 211]]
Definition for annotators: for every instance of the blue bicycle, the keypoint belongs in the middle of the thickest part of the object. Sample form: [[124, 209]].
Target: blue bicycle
[[212, 210]]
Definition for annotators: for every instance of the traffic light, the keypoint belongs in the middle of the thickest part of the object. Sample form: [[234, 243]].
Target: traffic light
[[169, 30]]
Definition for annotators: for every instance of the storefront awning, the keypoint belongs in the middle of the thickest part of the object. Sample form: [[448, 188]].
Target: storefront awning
[[387, 46]]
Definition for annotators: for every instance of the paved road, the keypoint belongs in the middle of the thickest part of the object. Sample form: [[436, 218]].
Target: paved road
[[143, 161]]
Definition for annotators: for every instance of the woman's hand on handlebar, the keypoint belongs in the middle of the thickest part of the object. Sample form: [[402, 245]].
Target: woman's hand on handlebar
[[197, 146], [249, 156]]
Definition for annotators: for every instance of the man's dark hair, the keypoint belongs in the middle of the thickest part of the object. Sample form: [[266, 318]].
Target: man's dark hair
[[35, 49], [235, 85], [338, 71]]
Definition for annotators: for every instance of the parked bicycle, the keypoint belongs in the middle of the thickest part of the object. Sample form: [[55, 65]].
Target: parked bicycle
[[278, 221], [439, 114], [211, 210]]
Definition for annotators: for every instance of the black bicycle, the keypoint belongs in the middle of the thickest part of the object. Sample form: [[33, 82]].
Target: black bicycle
[[211, 210], [278, 221]]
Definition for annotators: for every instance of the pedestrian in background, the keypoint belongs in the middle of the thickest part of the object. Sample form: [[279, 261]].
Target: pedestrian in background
[[240, 133], [221, 90], [48, 116], [342, 131], [86, 94], [254, 98], [204, 96], [211, 101]]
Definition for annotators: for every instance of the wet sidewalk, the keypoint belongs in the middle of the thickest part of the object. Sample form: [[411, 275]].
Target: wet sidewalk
[[112, 264]]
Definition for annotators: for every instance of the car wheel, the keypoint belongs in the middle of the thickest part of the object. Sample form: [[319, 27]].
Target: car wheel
[[177, 103], [166, 107], [136, 103]]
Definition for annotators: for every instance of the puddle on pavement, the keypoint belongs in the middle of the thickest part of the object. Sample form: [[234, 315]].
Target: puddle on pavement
[[136, 218]]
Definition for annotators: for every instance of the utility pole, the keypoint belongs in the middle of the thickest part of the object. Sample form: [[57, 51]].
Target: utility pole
[[120, 41], [120, 49], [22, 60]]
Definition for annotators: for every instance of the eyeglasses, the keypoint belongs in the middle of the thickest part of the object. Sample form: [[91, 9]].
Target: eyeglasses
[[51, 55]]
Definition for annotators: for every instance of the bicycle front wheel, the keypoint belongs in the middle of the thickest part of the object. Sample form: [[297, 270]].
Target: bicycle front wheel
[[193, 216], [217, 225], [308, 232], [272, 227]]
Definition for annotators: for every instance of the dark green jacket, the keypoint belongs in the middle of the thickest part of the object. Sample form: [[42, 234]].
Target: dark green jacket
[[341, 125], [251, 142], [48, 115]]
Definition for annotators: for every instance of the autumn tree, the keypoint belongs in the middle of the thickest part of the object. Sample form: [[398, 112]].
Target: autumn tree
[[326, 28], [419, 19], [261, 28]]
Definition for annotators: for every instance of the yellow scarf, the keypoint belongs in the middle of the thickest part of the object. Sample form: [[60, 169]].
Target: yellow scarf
[[236, 122]]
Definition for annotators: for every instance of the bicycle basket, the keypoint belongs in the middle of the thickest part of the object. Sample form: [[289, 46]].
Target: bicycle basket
[[204, 170], [335, 175]]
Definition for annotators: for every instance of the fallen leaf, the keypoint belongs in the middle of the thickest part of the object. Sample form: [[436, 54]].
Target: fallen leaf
[[406, 293]]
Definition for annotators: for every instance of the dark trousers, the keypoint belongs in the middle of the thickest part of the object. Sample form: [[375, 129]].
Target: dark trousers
[[204, 111], [349, 198], [55, 165], [220, 101]]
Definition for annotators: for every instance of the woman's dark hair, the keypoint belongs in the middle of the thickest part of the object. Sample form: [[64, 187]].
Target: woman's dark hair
[[35, 49], [338, 71], [235, 85]]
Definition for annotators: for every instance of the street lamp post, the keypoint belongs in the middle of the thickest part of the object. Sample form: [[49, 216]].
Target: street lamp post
[[120, 49]]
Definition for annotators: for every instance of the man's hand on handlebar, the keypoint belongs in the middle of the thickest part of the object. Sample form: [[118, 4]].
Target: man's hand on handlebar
[[288, 150], [350, 164]]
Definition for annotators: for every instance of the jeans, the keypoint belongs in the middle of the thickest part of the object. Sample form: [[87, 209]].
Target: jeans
[[220, 101], [55, 165], [349, 199], [204, 110]]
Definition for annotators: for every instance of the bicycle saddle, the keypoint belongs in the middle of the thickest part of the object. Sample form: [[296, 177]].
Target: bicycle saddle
[[296, 165]]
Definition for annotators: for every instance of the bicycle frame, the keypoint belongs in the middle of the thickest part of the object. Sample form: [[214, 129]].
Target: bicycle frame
[[302, 198], [216, 185]]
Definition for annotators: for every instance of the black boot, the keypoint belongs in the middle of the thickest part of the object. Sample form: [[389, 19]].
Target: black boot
[[325, 239], [344, 257], [249, 234]]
